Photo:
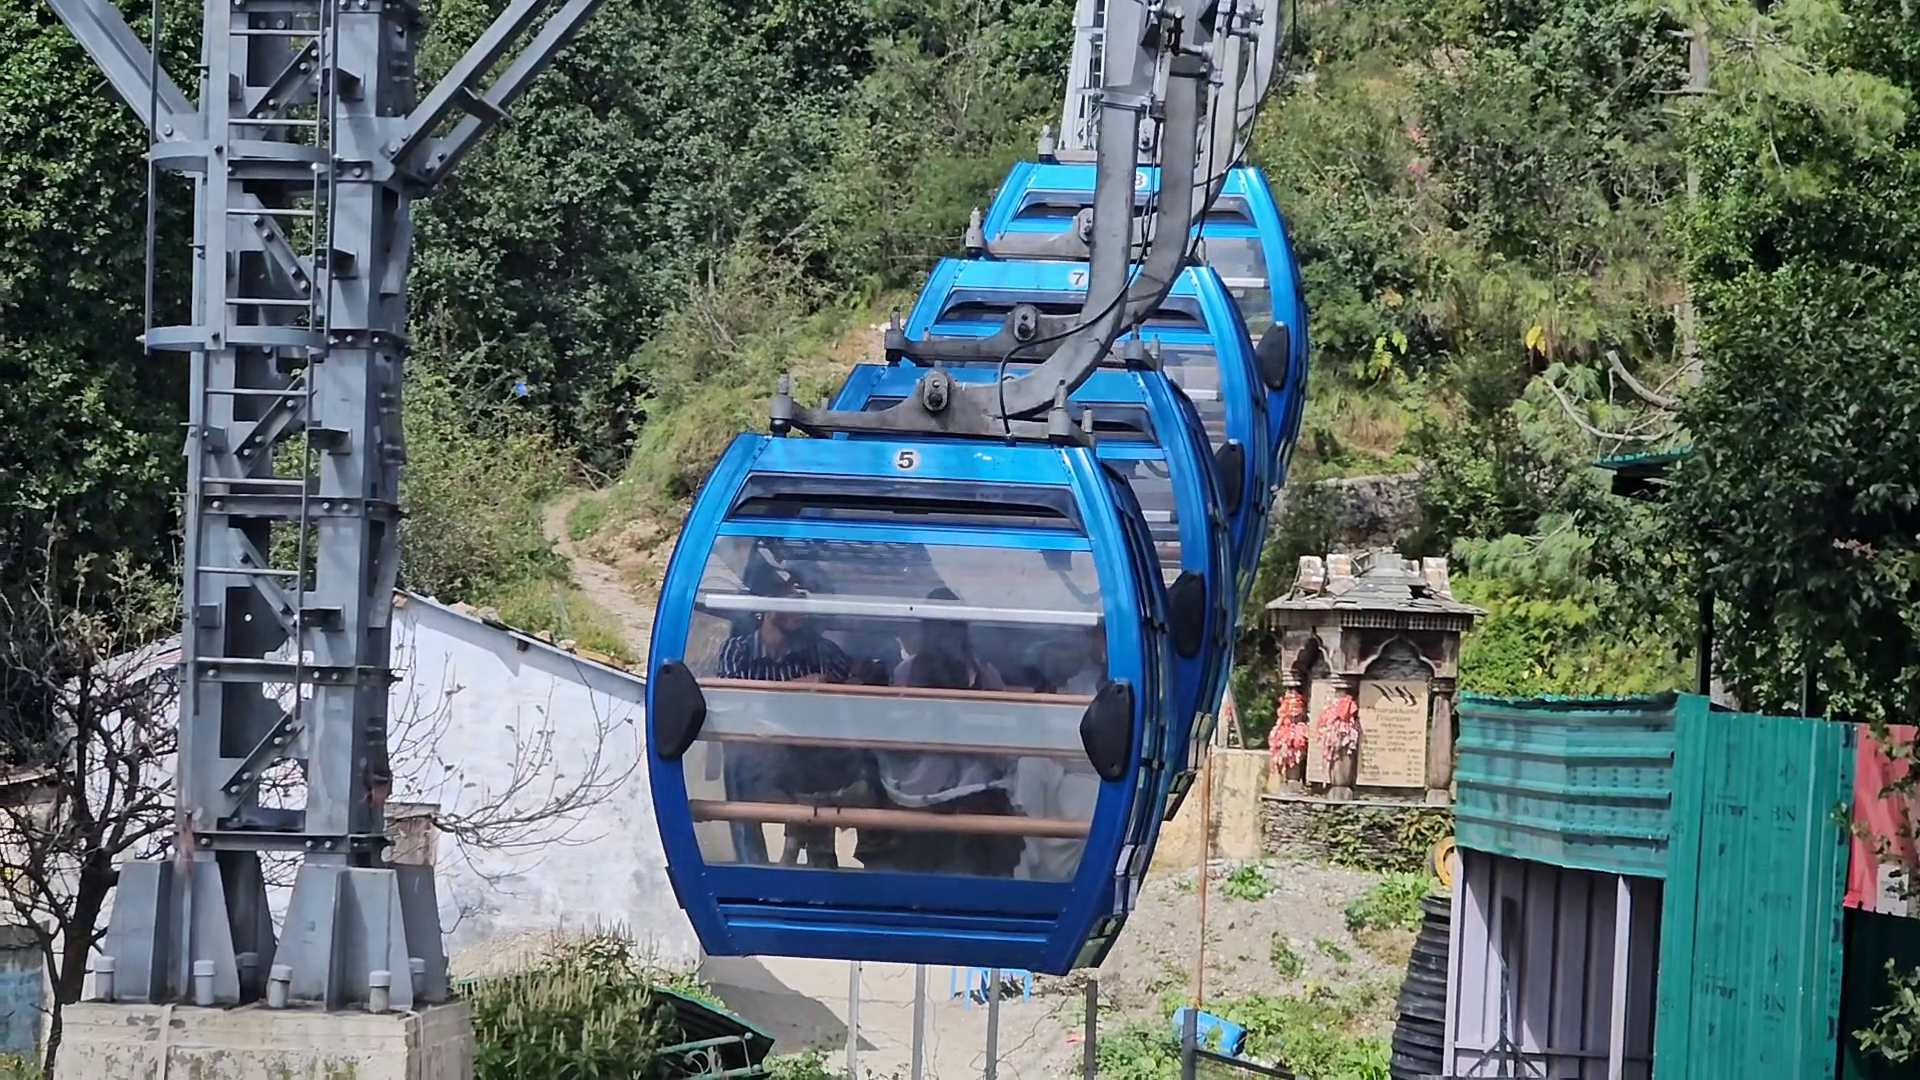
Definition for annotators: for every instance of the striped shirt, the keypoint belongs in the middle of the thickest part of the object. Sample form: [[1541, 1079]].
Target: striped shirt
[[745, 657], [756, 770]]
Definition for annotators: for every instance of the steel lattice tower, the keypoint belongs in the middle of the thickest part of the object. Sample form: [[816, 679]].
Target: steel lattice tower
[[307, 147]]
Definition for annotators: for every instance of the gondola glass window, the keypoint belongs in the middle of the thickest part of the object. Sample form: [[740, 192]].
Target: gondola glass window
[[886, 705]]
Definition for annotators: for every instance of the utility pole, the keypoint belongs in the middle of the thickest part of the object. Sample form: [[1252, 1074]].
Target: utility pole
[[307, 147], [1697, 60]]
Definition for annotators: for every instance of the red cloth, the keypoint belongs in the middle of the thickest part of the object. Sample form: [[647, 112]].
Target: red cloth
[[1888, 818]]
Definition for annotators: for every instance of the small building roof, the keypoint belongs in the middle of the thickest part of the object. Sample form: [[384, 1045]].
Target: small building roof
[[1375, 588], [1644, 475]]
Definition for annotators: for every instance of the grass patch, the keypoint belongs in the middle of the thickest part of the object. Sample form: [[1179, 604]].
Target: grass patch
[[1286, 961], [475, 492], [1317, 1033], [1392, 947], [538, 604], [1332, 950], [1248, 882], [720, 360], [1356, 431], [586, 517], [1392, 902]]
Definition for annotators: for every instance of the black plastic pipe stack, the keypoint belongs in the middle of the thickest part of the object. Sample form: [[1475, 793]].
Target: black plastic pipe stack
[[1419, 1036]]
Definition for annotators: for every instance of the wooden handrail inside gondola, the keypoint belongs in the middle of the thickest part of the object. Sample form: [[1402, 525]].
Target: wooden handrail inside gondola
[[1017, 697], [901, 746], [845, 817]]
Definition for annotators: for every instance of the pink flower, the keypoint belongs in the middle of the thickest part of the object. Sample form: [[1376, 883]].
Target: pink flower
[[1339, 727], [1288, 740]]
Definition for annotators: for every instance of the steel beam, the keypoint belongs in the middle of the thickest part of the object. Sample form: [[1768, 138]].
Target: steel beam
[[296, 344]]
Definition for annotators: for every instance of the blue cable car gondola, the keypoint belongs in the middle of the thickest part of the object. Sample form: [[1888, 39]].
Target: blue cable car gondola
[[1204, 350], [1148, 432], [1243, 237], [843, 763]]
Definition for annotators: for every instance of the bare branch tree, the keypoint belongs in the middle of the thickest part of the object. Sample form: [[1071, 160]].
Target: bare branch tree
[[88, 713], [543, 799], [89, 705], [556, 770]]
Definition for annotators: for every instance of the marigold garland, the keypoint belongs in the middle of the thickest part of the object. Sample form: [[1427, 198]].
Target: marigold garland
[[1288, 740], [1339, 728]]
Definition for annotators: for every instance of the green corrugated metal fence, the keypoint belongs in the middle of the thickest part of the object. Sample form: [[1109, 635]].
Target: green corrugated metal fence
[[1751, 943], [1576, 782]]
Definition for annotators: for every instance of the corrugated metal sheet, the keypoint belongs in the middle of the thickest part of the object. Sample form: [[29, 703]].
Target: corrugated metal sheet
[[1579, 783], [1553, 935], [1751, 957]]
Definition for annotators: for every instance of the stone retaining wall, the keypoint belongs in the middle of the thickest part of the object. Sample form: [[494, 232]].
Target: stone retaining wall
[[1377, 836]]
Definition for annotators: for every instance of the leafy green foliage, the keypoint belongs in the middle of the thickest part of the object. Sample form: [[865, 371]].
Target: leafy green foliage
[[89, 426], [1247, 882], [1393, 901], [659, 140], [808, 1064], [1551, 625], [1139, 1052], [587, 1011], [473, 491], [1797, 506], [1286, 960], [1895, 1031], [1318, 1033], [1817, 543]]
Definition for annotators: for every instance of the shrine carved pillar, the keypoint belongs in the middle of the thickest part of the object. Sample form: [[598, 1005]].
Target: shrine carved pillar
[[1440, 737]]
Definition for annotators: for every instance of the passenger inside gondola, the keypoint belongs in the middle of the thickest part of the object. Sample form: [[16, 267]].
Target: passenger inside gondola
[[945, 782], [851, 694], [784, 646]]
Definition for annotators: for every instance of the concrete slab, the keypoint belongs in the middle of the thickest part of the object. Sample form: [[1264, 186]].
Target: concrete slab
[[804, 1003], [257, 1043]]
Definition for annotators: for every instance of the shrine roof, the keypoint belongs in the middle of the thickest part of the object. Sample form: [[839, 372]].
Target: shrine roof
[[1377, 582]]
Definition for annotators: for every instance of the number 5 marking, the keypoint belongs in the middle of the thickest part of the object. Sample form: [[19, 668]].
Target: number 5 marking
[[907, 460]]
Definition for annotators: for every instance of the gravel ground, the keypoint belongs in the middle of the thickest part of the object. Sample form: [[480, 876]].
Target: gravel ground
[[1304, 906]]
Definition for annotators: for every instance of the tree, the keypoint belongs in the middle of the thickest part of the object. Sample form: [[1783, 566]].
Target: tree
[[102, 753], [89, 426], [102, 747], [1799, 506]]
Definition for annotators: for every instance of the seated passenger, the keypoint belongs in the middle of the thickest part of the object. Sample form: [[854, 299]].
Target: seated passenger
[[1087, 658], [944, 783], [783, 648], [945, 656], [1066, 789]]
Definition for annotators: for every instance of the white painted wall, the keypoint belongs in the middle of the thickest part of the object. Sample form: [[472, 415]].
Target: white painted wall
[[479, 714]]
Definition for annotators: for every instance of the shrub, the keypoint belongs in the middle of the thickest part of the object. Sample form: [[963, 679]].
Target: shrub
[[588, 1010], [1394, 901], [1248, 883]]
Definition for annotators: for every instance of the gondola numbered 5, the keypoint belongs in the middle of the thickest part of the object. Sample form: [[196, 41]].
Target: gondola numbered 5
[[908, 703]]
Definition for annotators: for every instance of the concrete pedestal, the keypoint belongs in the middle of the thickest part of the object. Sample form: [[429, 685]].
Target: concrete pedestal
[[257, 1043]]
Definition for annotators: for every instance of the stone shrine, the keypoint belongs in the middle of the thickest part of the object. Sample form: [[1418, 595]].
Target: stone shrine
[[1384, 632]]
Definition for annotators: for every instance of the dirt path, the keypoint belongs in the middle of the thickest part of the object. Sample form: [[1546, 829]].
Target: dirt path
[[600, 582]]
